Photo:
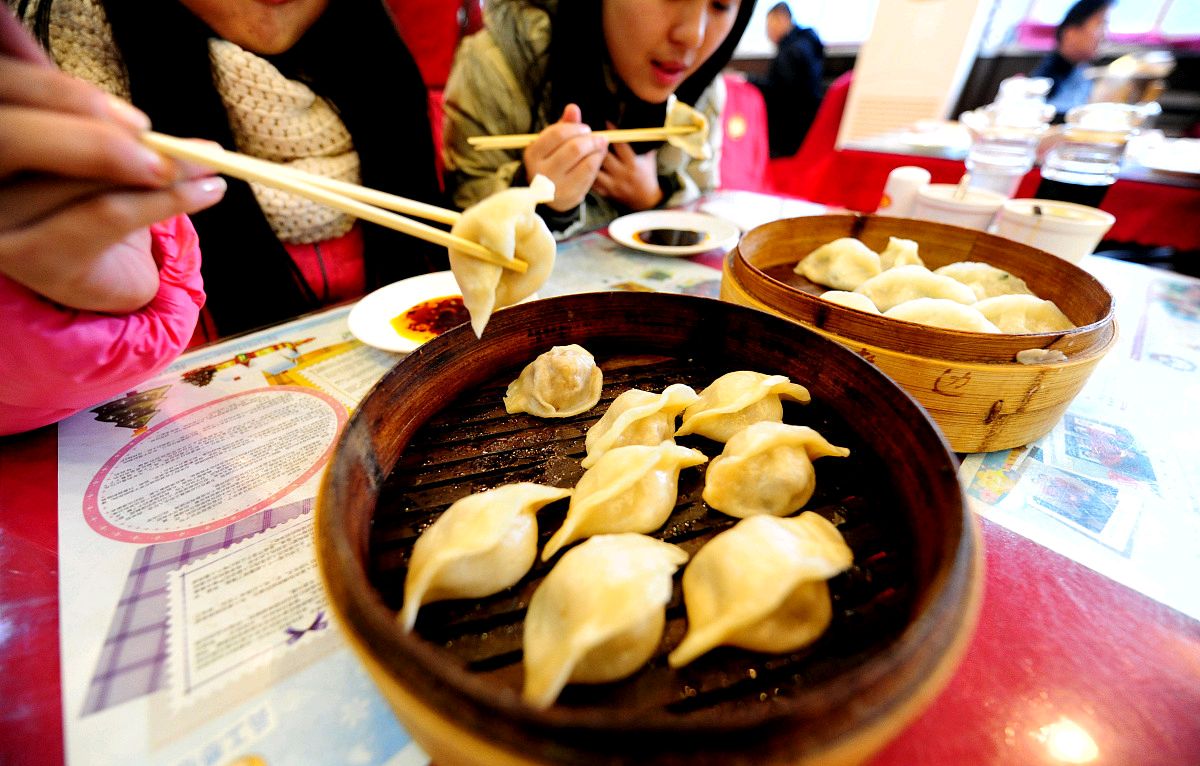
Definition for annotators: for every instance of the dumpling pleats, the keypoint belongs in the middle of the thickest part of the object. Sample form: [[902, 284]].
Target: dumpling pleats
[[766, 469], [761, 586], [562, 382], [737, 399], [629, 489], [599, 615], [637, 417], [480, 545]]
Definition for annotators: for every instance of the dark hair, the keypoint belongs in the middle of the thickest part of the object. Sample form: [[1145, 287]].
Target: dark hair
[[250, 278], [780, 8], [1079, 14], [578, 56]]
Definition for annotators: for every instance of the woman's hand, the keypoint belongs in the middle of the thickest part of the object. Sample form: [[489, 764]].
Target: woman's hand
[[629, 179], [569, 155], [77, 188]]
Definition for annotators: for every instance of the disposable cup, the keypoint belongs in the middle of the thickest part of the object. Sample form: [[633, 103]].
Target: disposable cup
[[1065, 229], [975, 209]]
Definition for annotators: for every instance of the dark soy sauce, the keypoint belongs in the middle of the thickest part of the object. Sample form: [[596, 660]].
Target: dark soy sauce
[[670, 237]]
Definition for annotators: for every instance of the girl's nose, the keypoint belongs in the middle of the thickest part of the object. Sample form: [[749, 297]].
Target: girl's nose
[[690, 24]]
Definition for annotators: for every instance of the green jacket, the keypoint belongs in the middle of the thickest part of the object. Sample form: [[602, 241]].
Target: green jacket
[[496, 75]]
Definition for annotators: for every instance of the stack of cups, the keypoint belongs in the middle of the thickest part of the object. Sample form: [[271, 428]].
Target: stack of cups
[[900, 192]]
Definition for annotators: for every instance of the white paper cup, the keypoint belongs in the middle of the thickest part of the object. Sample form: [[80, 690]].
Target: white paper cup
[[900, 191], [975, 210], [1065, 229]]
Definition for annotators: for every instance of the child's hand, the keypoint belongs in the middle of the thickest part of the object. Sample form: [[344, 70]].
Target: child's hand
[[629, 178], [569, 155], [77, 188]]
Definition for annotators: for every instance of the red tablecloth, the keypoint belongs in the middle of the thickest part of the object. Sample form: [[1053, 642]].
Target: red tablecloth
[[1148, 213]]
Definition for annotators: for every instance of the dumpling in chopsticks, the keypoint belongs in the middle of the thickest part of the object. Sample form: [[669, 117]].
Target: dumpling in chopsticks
[[599, 615], [695, 144], [629, 489], [850, 300], [637, 417], [504, 223], [737, 399], [904, 283], [481, 544], [761, 586], [842, 264], [563, 381], [985, 279], [766, 468], [939, 312], [1023, 314], [899, 252]]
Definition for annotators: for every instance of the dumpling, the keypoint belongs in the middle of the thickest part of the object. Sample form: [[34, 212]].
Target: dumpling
[[737, 399], [761, 586], [1024, 313], [505, 223], [563, 381], [629, 489], [939, 312], [599, 615], [480, 545], [695, 144], [637, 417], [766, 468], [986, 280], [842, 264], [904, 283], [850, 300], [899, 252]]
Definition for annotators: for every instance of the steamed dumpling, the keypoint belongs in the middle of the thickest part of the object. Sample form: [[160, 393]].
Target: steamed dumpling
[[899, 252], [904, 283], [737, 399], [842, 264], [766, 468], [629, 489], [761, 586], [637, 417], [850, 300], [1023, 314], [482, 544], [505, 223], [695, 144], [986, 280], [599, 615], [939, 312], [563, 381]]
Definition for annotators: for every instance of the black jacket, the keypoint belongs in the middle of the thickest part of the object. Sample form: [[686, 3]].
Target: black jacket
[[792, 89]]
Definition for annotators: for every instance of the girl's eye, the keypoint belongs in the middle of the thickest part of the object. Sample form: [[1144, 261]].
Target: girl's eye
[[722, 7]]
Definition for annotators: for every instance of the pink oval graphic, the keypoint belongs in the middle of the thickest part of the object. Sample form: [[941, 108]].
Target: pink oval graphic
[[214, 464]]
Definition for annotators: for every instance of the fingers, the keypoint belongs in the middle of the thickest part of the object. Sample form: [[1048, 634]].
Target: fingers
[[572, 113], [79, 147], [15, 41], [35, 86]]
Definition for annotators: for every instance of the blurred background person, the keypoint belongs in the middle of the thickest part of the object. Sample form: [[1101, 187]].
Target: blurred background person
[[1078, 38], [792, 86]]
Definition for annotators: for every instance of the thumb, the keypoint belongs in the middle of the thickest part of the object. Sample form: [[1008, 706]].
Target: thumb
[[571, 113]]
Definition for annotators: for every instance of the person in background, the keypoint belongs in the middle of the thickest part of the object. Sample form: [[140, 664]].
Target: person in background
[[792, 86], [564, 69], [100, 282], [1078, 39], [324, 86]]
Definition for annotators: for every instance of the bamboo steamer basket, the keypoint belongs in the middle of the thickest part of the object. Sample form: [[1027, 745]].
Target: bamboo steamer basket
[[970, 383], [435, 429]]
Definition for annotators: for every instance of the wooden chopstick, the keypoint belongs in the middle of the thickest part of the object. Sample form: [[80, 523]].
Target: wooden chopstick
[[622, 136], [323, 191]]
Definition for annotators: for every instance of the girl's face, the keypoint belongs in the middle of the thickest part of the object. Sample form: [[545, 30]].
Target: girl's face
[[260, 26], [657, 44]]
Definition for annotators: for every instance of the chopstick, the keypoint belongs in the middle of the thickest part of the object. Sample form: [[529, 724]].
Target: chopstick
[[353, 200], [621, 136]]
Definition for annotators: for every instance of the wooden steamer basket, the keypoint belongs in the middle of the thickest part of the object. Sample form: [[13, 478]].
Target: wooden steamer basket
[[970, 383], [434, 430]]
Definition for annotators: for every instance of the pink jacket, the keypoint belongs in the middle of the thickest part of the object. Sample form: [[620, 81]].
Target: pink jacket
[[57, 361]]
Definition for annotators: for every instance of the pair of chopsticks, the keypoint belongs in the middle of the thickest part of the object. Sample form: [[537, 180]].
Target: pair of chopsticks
[[620, 136], [367, 204]]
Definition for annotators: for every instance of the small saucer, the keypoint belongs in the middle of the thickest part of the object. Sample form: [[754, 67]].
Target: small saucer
[[371, 318]]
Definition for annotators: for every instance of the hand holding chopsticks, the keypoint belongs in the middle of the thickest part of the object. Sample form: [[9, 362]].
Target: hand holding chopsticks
[[366, 204]]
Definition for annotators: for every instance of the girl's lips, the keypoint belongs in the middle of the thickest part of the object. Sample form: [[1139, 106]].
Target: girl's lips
[[668, 72]]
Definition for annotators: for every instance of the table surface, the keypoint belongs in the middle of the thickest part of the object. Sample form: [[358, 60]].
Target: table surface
[[1066, 666]]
